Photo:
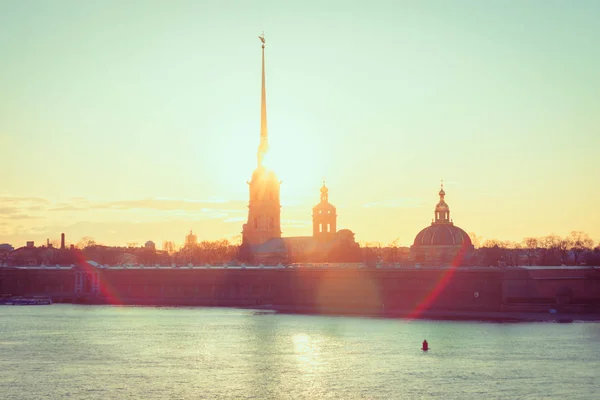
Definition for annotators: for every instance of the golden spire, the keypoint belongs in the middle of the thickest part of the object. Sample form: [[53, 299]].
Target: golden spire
[[264, 137]]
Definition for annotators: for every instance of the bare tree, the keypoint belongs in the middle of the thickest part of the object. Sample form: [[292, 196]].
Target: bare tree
[[550, 249], [392, 254], [580, 242], [564, 244], [169, 247], [513, 253], [531, 245], [86, 242], [475, 240], [236, 240], [492, 243], [492, 252]]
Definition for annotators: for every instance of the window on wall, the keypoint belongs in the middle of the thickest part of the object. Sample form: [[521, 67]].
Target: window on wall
[[320, 227], [328, 228], [255, 222], [271, 222]]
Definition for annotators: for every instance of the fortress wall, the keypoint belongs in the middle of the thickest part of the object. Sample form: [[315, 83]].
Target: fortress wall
[[371, 291]]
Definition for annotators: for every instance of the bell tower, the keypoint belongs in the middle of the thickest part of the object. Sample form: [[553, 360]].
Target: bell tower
[[324, 217], [264, 208], [442, 211]]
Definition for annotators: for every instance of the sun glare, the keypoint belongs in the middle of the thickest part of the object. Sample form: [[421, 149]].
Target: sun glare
[[266, 161], [295, 158], [297, 165]]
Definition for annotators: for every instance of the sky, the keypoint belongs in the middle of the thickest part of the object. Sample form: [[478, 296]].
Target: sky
[[139, 120]]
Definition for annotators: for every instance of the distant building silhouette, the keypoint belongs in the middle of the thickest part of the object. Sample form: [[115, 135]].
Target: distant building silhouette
[[261, 234], [442, 242], [324, 217], [5, 249], [30, 255], [325, 245], [191, 240], [264, 207]]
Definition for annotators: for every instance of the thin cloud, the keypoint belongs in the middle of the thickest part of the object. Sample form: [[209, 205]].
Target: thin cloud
[[234, 219], [23, 200], [164, 204], [400, 203], [490, 194], [21, 216], [159, 204], [212, 199]]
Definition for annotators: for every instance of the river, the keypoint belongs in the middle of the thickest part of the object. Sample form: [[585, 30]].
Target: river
[[106, 352]]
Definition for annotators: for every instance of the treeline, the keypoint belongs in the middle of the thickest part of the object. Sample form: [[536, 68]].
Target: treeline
[[551, 250], [205, 252], [575, 249]]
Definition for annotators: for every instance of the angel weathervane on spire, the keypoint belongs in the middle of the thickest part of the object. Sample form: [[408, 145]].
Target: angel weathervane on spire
[[262, 39]]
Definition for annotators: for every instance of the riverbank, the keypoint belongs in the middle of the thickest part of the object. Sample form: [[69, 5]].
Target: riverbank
[[451, 315]]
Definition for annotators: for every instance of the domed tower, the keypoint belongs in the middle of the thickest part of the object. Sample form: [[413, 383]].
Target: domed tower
[[191, 239], [442, 211], [324, 217], [264, 208], [442, 242]]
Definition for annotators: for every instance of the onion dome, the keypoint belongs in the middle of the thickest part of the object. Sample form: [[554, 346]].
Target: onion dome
[[324, 207]]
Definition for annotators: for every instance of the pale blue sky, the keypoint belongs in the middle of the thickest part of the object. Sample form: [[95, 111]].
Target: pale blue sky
[[112, 101]]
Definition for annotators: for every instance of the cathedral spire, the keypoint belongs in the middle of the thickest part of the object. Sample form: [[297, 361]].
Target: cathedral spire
[[264, 137]]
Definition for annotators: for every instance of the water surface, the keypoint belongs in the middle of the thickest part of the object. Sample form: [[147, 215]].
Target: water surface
[[104, 352]]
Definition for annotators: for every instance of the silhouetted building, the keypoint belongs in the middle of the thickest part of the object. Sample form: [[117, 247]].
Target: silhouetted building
[[324, 217], [261, 234], [442, 242], [31, 255], [325, 245], [264, 207], [6, 247], [191, 240]]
